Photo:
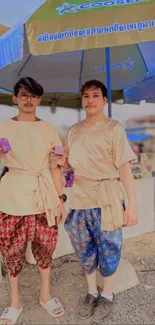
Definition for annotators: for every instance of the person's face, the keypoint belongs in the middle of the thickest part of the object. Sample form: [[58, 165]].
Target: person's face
[[26, 101], [93, 101]]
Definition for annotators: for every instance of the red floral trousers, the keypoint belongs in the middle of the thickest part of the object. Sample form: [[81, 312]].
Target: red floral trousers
[[17, 231]]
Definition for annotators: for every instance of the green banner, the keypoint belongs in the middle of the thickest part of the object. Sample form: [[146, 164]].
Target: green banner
[[60, 26], [64, 8]]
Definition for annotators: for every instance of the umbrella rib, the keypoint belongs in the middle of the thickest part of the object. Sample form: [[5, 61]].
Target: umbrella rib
[[140, 52], [81, 69], [22, 68]]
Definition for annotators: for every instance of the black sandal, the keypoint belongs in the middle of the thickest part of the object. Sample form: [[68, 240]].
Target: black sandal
[[87, 307]]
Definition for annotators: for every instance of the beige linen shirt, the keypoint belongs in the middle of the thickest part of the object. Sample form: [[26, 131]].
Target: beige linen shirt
[[28, 187], [96, 154]]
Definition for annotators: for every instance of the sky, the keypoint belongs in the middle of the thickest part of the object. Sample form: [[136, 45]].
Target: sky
[[13, 12]]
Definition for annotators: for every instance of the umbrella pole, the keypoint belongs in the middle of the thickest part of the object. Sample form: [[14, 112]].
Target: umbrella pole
[[108, 74]]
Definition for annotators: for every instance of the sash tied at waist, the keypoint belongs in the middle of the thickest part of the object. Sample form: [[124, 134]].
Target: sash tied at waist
[[44, 194], [110, 196], [106, 194]]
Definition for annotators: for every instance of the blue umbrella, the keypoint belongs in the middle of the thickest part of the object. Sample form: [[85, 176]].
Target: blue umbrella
[[119, 67], [142, 91], [65, 72]]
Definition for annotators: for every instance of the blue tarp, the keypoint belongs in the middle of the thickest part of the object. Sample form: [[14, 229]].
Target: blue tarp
[[138, 137]]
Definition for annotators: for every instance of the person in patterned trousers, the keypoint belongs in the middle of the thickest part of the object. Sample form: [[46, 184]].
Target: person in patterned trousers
[[98, 151], [31, 204]]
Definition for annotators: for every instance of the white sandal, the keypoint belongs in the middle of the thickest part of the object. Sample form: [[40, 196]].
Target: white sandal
[[52, 305], [11, 314]]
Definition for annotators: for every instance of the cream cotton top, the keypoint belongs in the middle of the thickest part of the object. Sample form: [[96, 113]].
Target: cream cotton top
[[28, 187], [96, 153]]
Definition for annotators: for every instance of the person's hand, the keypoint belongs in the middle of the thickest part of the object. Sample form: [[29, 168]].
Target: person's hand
[[61, 213], [1, 150], [58, 159], [130, 216]]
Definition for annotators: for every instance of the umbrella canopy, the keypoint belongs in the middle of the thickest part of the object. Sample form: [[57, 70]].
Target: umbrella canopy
[[60, 26], [74, 29], [65, 72], [53, 100], [142, 91]]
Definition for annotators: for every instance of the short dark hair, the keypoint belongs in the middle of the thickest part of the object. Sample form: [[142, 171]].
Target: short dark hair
[[94, 84], [30, 85]]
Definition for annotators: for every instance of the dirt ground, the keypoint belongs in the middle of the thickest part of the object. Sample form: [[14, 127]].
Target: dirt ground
[[135, 306]]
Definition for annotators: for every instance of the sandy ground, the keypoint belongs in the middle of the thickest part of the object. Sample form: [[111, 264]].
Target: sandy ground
[[134, 306]]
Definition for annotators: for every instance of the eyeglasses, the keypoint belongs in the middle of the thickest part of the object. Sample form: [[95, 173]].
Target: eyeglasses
[[25, 97]]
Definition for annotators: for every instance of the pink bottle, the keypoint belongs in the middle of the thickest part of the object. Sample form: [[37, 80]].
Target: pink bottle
[[59, 150]]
